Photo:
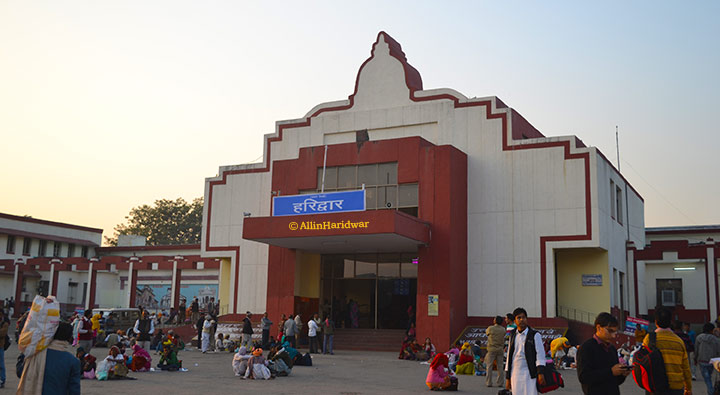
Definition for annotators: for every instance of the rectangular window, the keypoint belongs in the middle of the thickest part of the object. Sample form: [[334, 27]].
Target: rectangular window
[[346, 177], [612, 199], [367, 174], [10, 249], [71, 250], [618, 203], [669, 292], [27, 242], [42, 247], [84, 252], [56, 249]]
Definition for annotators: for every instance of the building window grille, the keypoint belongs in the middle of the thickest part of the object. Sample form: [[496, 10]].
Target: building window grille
[[84, 252], [618, 203], [10, 249], [71, 250], [27, 242], [42, 247], [56, 249]]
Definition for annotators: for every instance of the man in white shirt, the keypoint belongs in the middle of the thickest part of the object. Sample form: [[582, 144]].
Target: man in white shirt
[[526, 357], [312, 334]]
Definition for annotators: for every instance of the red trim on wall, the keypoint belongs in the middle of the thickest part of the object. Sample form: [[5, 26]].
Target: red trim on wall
[[149, 248], [413, 87], [51, 223]]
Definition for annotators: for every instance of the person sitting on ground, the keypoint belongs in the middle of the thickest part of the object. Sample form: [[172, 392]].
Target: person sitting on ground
[[257, 366], [112, 339], [141, 359], [438, 377], [281, 359], [219, 346], [466, 362], [230, 345], [410, 350], [240, 362], [429, 348], [169, 360], [115, 364], [88, 363]]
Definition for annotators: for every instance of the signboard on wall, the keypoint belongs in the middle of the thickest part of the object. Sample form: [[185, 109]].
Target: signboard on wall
[[592, 280], [433, 305], [321, 203], [632, 323]]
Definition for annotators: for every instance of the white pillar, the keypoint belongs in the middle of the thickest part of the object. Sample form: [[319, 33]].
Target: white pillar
[[15, 279], [90, 287], [712, 278], [632, 291], [52, 279], [172, 286], [129, 282]]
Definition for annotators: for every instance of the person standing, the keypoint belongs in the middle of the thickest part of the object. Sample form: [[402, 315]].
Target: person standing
[[144, 329], [199, 327], [4, 326], [597, 363], [206, 333], [674, 354], [85, 331], [181, 312], [526, 357], [298, 328], [211, 306], [266, 325], [54, 370], [495, 345], [195, 310], [312, 335], [707, 346], [328, 334], [247, 330], [291, 330]]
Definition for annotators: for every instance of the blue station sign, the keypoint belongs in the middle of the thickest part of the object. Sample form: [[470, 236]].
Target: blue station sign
[[321, 203]]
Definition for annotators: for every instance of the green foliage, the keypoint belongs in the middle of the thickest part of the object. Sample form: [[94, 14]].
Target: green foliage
[[167, 222]]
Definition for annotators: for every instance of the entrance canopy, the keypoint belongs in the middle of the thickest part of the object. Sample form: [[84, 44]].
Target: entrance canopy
[[356, 232]]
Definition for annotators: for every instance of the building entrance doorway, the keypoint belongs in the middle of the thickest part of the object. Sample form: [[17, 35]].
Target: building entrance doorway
[[369, 290]]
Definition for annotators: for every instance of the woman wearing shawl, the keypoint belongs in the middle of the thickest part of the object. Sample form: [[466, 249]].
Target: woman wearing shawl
[[257, 368], [438, 377], [429, 348], [115, 363], [141, 359], [54, 370], [466, 363], [240, 362]]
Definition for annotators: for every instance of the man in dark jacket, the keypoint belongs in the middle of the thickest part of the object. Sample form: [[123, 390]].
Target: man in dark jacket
[[597, 362], [247, 331]]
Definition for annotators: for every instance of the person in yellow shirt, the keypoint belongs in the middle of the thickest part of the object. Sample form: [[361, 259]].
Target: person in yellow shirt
[[674, 354], [561, 343]]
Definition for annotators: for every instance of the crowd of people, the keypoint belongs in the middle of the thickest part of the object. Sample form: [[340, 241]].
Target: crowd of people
[[524, 362]]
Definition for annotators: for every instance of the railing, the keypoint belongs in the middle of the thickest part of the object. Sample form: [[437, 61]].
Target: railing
[[574, 314]]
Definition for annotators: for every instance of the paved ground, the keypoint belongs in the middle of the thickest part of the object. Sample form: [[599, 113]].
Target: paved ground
[[345, 373]]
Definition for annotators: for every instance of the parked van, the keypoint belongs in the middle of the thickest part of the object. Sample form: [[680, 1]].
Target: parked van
[[122, 319]]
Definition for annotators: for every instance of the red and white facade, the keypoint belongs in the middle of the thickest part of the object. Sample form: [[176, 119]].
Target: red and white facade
[[499, 205], [678, 268]]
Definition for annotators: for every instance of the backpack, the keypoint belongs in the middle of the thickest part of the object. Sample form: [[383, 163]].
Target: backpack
[[648, 368], [553, 379], [453, 384]]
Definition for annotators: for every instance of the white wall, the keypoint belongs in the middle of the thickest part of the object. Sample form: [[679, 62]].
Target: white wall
[[515, 196], [6, 286], [693, 283], [107, 291]]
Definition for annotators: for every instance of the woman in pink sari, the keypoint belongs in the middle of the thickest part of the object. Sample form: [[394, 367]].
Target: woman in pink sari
[[140, 359]]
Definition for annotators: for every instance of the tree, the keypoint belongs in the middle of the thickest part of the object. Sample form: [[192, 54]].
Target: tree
[[167, 222]]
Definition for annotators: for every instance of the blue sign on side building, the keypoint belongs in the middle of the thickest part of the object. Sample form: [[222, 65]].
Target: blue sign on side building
[[321, 203]]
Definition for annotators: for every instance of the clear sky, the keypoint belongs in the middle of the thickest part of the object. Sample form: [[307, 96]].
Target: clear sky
[[105, 106]]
